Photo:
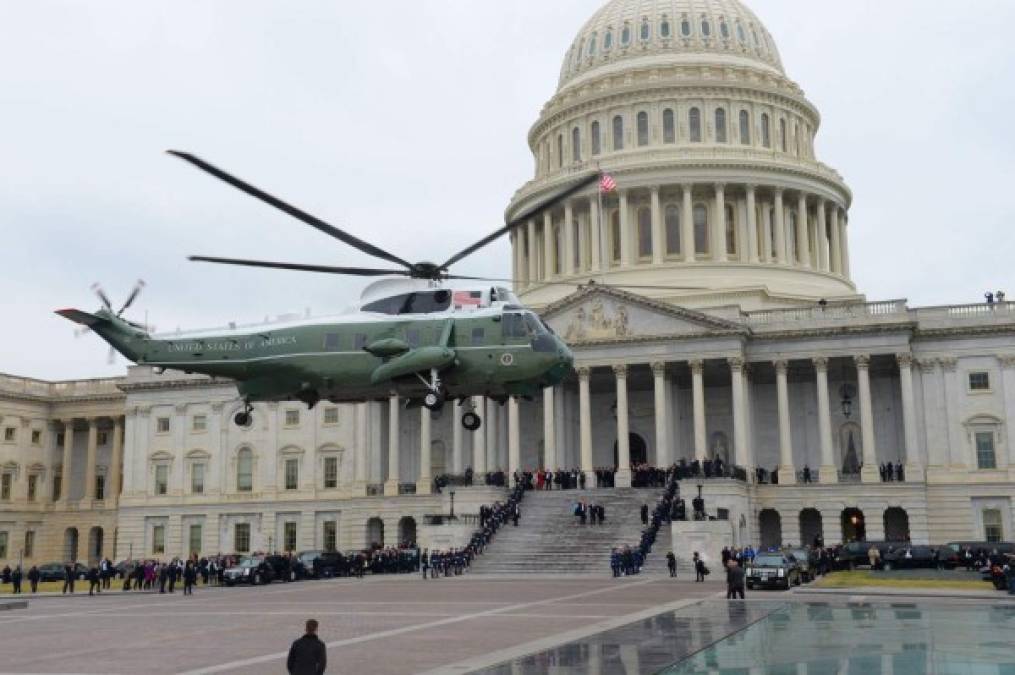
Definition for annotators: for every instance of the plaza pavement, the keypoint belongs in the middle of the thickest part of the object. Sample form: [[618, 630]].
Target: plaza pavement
[[382, 625]]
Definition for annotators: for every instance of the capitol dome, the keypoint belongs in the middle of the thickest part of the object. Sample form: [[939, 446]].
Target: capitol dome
[[720, 198]]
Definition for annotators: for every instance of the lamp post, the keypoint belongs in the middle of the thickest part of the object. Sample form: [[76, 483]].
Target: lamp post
[[452, 493]]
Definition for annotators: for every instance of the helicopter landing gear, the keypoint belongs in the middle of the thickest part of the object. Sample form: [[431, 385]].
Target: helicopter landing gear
[[435, 396], [244, 418], [471, 421]]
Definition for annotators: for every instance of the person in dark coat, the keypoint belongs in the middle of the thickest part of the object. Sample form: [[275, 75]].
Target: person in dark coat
[[189, 578], [734, 580], [33, 578], [307, 655], [16, 580], [671, 563], [94, 581], [68, 577], [644, 514]]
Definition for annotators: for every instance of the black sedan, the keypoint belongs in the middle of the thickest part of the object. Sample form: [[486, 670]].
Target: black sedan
[[773, 569], [913, 557], [253, 570]]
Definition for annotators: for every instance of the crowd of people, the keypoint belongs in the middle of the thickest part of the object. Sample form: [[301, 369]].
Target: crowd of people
[[892, 473], [588, 512]]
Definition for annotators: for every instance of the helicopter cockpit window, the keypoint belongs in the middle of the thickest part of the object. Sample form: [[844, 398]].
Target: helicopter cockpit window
[[421, 302], [332, 341], [513, 325]]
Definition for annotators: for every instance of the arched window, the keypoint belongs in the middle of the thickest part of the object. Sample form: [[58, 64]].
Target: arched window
[[766, 132], [576, 145], [245, 470], [706, 27], [754, 35], [615, 237], [643, 128], [578, 54], [731, 231], [644, 232], [664, 28], [792, 236], [685, 27], [618, 133], [782, 134], [720, 125], [596, 142], [608, 41], [700, 229], [560, 150], [741, 35], [724, 29], [745, 127], [625, 35], [796, 135], [592, 44], [672, 229], [646, 32], [694, 123], [669, 128]]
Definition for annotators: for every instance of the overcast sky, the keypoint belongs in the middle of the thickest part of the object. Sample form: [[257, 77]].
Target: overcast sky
[[405, 122]]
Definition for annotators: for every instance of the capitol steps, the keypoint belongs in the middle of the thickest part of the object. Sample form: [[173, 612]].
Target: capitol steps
[[548, 539]]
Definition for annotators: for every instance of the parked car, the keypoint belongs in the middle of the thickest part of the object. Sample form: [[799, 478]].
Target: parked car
[[804, 559], [307, 559], [253, 570], [854, 554], [773, 569], [287, 568], [331, 564], [912, 557], [51, 572], [953, 554]]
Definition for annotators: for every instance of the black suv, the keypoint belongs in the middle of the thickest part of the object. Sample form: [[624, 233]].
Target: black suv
[[287, 568], [253, 570], [331, 564], [773, 569], [911, 557]]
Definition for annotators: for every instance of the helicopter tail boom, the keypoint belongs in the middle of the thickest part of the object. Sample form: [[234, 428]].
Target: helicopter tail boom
[[123, 336]]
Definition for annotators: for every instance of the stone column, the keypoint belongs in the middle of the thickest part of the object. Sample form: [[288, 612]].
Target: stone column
[[626, 243], [514, 438], [768, 255], [698, 402], [719, 224], [530, 241], [658, 232], [492, 425], [582, 223], [595, 235], [844, 224], [687, 223], [914, 469], [829, 471], [1008, 381], [835, 257], [424, 485], [65, 471], [870, 472], [752, 226], [567, 250], [548, 245], [585, 423], [664, 454], [115, 480], [457, 439], [623, 478], [549, 430], [740, 440], [787, 470], [822, 237], [90, 461], [780, 229], [394, 473], [802, 230], [359, 447], [479, 444]]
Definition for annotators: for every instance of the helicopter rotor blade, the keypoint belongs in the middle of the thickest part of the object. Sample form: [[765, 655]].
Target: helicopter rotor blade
[[563, 193], [590, 283], [132, 297], [103, 298], [326, 269], [303, 216]]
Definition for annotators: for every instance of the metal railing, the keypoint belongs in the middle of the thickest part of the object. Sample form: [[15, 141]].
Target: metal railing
[[406, 488]]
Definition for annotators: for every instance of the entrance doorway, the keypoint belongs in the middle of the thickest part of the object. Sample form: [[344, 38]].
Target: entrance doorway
[[853, 525], [896, 524], [770, 524], [637, 447]]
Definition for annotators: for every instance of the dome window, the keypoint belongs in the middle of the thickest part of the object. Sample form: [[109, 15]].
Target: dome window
[[576, 145], [592, 44], [625, 36], [643, 128], [724, 29], [685, 27], [664, 28], [644, 233], [741, 35], [706, 27], [560, 151], [745, 128], [672, 229], [766, 132], [618, 133], [720, 125], [700, 229], [646, 31], [608, 41], [782, 134], [754, 36], [694, 124], [731, 231], [669, 128], [578, 54], [597, 145]]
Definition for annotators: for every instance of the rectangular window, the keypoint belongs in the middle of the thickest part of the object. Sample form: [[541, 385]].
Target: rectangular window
[[478, 336], [985, 458], [197, 479], [241, 537], [36, 437], [331, 415], [993, 528], [158, 539], [29, 543], [162, 425], [332, 341], [10, 434], [979, 381], [100, 487], [6, 481], [292, 474], [331, 472], [102, 437], [33, 487], [195, 539], [59, 439], [329, 536], [289, 537], [292, 418], [57, 485], [161, 479], [199, 423], [3, 545]]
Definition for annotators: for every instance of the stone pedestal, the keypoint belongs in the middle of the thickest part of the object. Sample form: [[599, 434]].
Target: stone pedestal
[[455, 534], [707, 537]]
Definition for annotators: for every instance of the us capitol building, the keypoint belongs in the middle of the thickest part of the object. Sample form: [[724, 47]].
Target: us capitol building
[[715, 316]]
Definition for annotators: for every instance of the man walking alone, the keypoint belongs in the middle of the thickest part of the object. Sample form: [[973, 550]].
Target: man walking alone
[[308, 655]]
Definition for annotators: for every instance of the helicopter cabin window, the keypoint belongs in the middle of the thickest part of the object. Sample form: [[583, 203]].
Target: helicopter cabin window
[[478, 336], [360, 340], [412, 337], [332, 341], [422, 302]]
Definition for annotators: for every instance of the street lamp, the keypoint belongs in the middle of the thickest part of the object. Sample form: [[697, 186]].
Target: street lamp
[[452, 493]]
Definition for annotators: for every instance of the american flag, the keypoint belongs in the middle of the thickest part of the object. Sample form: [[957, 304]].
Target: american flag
[[607, 184], [467, 299]]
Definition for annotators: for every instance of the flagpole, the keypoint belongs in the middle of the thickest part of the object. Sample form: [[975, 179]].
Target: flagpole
[[600, 238]]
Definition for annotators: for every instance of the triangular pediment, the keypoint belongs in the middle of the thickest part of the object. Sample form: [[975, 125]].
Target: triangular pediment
[[598, 314]]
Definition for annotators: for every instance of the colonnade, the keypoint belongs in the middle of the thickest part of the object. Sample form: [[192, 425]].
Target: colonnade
[[686, 223], [112, 480]]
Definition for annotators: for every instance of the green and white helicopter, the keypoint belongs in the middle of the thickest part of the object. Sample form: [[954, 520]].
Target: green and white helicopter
[[411, 335]]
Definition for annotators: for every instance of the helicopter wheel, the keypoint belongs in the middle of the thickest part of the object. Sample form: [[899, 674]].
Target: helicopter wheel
[[243, 419], [471, 421], [434, 400]]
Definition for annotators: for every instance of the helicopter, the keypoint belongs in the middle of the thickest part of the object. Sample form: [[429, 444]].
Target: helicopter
[[412, 335]]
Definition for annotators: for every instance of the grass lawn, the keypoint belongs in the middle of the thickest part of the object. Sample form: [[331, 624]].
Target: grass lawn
[[44, 587], [867, 578]]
